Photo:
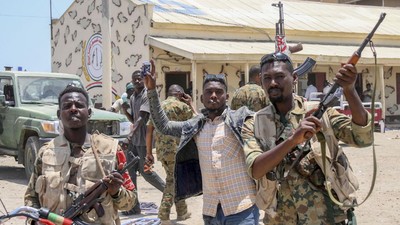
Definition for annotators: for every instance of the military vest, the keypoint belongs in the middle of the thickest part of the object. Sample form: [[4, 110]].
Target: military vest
[[337, 176], [53, 187]]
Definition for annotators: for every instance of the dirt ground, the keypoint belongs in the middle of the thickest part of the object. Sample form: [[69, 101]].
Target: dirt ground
[[381, 208]]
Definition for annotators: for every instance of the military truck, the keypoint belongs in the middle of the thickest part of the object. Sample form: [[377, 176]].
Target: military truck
[[28, 114]]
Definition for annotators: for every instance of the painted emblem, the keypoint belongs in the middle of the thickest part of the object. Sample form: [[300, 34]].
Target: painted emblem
[[94, 57]]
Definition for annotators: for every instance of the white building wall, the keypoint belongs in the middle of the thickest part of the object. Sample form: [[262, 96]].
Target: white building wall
[[71, 49]]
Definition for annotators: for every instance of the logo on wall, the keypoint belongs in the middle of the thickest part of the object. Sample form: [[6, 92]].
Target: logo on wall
[[93, 57]]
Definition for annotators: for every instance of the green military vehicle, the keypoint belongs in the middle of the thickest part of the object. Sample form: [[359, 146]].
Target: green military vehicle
[[28, 114]]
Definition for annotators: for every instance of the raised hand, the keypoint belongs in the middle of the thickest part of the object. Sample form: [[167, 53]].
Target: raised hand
[[346, 76], [150, 78]]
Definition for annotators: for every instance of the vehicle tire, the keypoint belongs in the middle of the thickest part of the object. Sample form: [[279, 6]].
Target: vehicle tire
[[31, 148]]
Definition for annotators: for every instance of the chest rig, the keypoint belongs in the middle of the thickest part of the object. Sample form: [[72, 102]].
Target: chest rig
[[63, 176]]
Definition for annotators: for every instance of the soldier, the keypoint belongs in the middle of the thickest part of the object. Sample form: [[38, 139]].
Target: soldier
[[251, 94], [176, 110], [68, 165], [270, 149]]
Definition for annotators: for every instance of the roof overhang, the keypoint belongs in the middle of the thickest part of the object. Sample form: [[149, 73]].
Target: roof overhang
[[251, 51]]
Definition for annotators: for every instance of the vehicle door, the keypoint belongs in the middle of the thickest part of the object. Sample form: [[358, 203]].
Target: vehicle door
[[8, 113]]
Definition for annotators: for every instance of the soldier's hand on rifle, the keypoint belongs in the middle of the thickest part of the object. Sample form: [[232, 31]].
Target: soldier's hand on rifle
[[113, 181], [149, 159], [307, 128], [150, 78], [346, 77]]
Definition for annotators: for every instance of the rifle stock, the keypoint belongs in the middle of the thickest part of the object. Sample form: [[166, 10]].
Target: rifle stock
[[90, 199]]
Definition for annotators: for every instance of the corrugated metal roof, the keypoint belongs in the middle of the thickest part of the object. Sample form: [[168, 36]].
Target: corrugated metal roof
[[299, 15], [213, 50]]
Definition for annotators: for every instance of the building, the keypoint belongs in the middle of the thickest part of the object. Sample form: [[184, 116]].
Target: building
[[387, 3], [189, 39]]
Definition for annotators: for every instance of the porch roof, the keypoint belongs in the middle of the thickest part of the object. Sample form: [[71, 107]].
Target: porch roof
[[203, 50]]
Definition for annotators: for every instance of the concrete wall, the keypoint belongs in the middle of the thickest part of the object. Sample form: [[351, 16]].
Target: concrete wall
[[77, 48]]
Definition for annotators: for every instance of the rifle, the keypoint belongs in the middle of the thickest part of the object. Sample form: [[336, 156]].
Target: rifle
[[281, 45], [280, 38], [336, 91], [91, 198], [332, 95]]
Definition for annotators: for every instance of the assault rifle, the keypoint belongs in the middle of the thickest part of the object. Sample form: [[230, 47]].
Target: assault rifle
[[336, 91], [280, 38], [91, 198], [281, 45], [332, 94]]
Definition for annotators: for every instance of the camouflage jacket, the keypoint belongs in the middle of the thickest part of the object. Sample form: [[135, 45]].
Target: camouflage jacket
[[250, 95], [176, 111], [296, 192], [58, 176]]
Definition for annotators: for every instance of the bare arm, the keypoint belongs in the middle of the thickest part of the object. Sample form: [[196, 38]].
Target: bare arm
[[188, 100], [160, 119], [149, 144], [125, 107], [346, 78]]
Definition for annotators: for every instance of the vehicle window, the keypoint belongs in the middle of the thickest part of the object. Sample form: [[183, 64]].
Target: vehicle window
[[6, 89], [43, 89], [3, 82]]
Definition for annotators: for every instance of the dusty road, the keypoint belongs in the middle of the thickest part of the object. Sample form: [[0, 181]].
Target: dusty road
[[381, 208]]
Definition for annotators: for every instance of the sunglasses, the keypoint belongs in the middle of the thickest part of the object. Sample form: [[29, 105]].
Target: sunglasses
[[277, 56], [71, 85]]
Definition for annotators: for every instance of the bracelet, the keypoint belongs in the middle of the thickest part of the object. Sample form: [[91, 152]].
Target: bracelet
[[115, 196]]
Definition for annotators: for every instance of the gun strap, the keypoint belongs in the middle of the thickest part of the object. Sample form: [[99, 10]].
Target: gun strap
[[372, 124], [96, 156]]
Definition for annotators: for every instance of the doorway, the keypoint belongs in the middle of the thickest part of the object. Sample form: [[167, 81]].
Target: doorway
[[176, 77]]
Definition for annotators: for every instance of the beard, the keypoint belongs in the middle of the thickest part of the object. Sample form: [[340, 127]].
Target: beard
[[275, 98]]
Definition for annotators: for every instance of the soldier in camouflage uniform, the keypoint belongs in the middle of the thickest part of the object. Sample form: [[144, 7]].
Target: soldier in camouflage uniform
[[176, 110], [66, 167], [271, 149], [251, 94]]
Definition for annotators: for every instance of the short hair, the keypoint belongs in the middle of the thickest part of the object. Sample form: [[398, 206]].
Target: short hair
[[70, 89], [254, 71], [174, 89], [277, 57], [135, 73], [215, 77]]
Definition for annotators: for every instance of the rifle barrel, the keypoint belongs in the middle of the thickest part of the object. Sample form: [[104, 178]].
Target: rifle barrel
[[354, 58], [357, 54]]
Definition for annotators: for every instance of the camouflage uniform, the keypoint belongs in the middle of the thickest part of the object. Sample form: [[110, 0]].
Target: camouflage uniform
[[301, 200], [58, 177], [250, 95], [166, 149]]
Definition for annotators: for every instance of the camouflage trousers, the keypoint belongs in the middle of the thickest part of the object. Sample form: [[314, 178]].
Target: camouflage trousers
[[301, 203], [167, 200]]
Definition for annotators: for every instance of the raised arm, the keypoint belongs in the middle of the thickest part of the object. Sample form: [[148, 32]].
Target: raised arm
[[158, 116], [346, 78]]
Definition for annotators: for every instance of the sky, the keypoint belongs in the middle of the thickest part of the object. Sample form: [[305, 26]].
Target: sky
[[25, 33]]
